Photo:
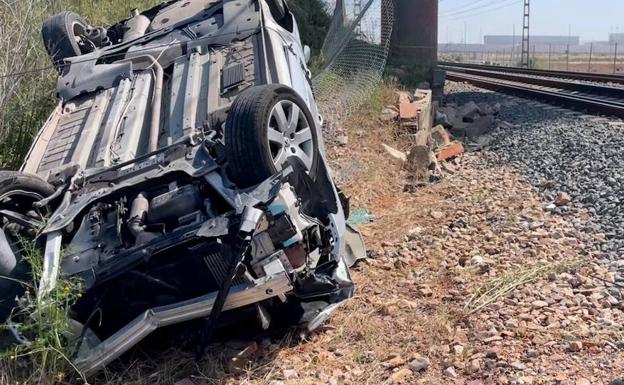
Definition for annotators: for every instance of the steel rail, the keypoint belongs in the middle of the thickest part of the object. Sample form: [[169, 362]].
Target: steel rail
[[583, 102], [601, 78]]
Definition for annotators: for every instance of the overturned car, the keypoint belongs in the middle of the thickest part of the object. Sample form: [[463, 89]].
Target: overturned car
[[182, 175]]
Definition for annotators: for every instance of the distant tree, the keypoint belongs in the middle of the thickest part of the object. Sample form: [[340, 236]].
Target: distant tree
[[313, 19]]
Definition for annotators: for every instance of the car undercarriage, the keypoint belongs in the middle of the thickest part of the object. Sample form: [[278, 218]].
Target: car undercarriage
[[182, 175]]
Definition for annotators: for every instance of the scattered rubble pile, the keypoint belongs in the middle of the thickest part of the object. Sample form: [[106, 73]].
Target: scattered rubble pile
[[429, 145], [471, 122], [438, 135]]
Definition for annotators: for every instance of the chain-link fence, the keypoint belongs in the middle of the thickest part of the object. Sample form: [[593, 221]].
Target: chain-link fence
[[353, 57], [598, 58]]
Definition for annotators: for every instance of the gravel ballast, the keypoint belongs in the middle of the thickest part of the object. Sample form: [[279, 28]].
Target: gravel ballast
[[561, 151]]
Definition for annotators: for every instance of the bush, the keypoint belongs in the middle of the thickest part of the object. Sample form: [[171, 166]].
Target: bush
[[25, 84]]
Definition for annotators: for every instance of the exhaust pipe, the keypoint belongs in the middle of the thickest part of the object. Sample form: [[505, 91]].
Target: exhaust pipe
[[138, 213]]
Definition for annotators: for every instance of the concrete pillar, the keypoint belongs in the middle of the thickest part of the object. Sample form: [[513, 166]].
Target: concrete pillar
[[414, 43]]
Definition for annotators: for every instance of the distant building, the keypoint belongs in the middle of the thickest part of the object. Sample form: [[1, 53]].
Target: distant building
[[616, 38], [510, 40]]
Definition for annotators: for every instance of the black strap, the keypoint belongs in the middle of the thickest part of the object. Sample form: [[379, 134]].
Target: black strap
[[235, 255]]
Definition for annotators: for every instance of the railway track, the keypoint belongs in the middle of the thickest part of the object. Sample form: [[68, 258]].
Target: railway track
[[596, 97]]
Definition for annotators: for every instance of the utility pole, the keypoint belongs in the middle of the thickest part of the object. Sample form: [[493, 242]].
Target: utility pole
[[465, 44], [525, 36], [568, 58]]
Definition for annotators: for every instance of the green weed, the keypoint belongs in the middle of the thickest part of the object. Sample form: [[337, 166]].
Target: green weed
[[46, 324]]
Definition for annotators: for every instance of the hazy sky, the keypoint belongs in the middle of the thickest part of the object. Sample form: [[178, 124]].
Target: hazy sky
[[592, 20]]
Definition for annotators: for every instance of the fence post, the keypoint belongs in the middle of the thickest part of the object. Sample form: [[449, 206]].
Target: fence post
[[532, 65], [615, 58], [511, 55], [591, 52], [568, 57], [549, 54]]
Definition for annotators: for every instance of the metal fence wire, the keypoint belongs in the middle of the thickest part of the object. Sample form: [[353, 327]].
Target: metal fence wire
[[605, 58], [353, 58]]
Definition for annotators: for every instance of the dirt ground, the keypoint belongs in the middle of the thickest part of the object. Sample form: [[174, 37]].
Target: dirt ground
[[469, 281]]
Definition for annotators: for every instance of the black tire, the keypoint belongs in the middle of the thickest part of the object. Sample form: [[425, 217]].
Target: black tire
[[11, 264], [278, 9], [59, 37], [246, 138], [13, 180]]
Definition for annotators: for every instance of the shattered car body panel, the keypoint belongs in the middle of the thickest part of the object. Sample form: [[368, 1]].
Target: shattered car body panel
[[147, 214]]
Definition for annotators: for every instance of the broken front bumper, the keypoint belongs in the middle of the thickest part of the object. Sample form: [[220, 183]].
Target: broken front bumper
[[97, 356]]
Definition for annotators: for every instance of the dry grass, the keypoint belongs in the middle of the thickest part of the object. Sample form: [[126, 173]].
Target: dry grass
[[25, 93], [377, 184], [501, 286]]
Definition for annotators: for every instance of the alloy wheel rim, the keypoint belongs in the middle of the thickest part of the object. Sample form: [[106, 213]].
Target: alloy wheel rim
[[290, 135]]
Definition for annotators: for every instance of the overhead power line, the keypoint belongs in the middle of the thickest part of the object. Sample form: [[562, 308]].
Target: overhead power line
[[462, 8], [481, 10]]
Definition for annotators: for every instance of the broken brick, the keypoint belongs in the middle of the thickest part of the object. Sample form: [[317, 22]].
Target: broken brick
[[451, 151], [408, 110]]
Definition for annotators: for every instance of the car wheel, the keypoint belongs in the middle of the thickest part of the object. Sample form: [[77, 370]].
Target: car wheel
[[267, 127], [18, 193], [64, 36], [278, 9]]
